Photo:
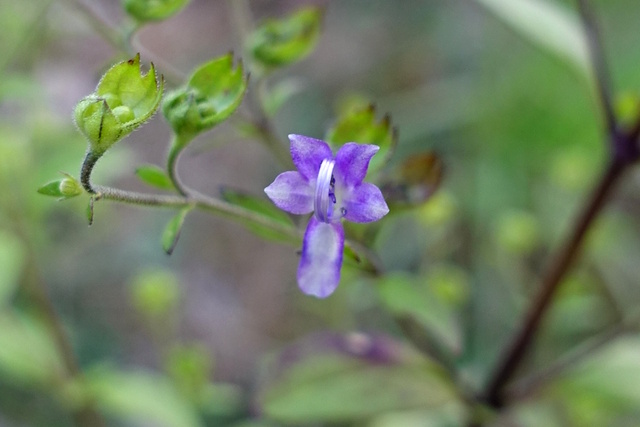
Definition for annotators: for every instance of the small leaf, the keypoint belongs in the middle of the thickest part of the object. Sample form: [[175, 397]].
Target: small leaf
[[140, 397], [264, 208], [90, 210], [547, 24], [154, 176], [346, 378], [153, 10], [51, 189], [282, 42], [172, 231], [414, 181], [362, 126], [212, 94]]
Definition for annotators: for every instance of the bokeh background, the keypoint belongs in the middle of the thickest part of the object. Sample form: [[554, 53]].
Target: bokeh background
[[517, 127]]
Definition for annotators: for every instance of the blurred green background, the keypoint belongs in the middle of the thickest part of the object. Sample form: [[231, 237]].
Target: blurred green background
[[517, 127]]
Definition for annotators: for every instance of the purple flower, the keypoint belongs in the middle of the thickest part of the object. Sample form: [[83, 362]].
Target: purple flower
[[332, 188]]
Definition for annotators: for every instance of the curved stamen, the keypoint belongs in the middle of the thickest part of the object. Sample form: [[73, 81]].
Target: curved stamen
[[323, 188]]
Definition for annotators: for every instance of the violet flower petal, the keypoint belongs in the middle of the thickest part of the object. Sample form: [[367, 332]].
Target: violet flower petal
[[307, 154], [352, 162], [291, 192], [365, 203], [319, 269]]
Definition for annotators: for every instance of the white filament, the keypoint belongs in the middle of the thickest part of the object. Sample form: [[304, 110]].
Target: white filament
[[323, 187]]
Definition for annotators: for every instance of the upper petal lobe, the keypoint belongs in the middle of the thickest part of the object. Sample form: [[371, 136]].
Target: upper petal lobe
[[291, 192], [352, 162], [307, 154]]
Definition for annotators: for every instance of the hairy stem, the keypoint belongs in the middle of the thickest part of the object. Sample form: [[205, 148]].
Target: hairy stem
[[561, 263], [172, 165]]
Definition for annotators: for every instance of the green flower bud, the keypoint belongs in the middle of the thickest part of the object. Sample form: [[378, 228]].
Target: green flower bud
[[69, 187], [123, 100], [212, 94], [63, 188]]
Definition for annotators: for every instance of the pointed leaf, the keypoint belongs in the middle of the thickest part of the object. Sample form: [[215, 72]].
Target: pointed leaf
[[51, 189], [362, 126], [140, 397], [172, 231], [154, 176], [277, 43], [345, 378], [547, 24], [153, 10], [264, 208]]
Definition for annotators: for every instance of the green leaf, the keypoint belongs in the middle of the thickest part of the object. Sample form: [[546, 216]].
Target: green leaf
[[548, 25], [153, 10], [362, 126], [404, 295], [123, 100], [604, 386], [140, 397], [154, 176], [281, 42], [350, 378], [172, 231], [262, 207], [12, 260], [27, 352], [212, 94], [51, 189]]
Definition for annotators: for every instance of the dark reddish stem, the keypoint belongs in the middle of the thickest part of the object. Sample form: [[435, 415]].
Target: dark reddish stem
[[558, 269]]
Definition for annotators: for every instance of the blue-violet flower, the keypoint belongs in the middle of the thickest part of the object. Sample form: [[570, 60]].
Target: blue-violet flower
[[332, 188]]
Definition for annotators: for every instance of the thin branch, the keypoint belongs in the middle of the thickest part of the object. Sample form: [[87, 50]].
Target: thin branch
[[599, 65], [532, 382], [561, 263]]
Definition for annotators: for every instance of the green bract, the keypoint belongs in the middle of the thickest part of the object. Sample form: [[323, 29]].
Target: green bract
[[281, 42], [124, 99], [362, 126], [212, 94], [153, 10]]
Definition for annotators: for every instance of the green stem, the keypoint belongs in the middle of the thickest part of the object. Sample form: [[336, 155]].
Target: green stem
[[177, 146], [192, 198]]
